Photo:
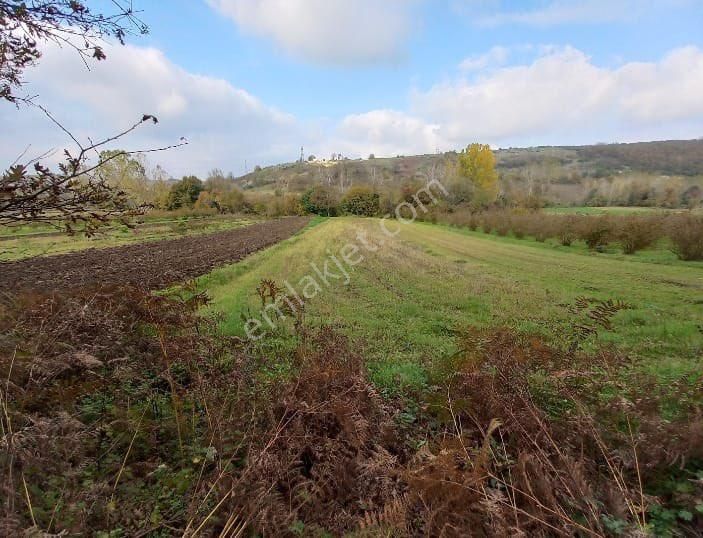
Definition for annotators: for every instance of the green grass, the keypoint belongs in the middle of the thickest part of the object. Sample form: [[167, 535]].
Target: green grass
[[25, 244], [404, 301]]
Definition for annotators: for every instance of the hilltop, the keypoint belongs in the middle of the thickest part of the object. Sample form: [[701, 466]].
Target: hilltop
[[643, 173]]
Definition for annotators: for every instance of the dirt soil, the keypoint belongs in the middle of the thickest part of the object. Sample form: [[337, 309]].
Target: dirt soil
[[152, 265]]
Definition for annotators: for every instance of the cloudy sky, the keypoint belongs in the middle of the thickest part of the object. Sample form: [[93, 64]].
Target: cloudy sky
[[251, 81]]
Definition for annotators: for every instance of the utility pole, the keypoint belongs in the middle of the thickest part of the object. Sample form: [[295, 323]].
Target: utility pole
[[302, 154]]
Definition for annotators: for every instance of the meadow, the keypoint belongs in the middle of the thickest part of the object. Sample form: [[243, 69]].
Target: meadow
[[438, 307], [207, 330], [553, 389], [405, 300]]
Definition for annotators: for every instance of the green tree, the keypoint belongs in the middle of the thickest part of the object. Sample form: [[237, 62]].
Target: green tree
[[160, 191], [160, 187], [477, 164], [361, 201], [127, 173], [184, 193], [320, 200]]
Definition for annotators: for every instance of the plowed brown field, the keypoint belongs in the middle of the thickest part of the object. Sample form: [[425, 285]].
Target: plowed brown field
[[150, 265]]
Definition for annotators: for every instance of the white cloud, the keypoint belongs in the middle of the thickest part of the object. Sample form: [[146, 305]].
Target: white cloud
[[563, 97], [385, 132], [329, 32], [496, 56], [225, 125], [667, 91], [556, 91], [559, 98]]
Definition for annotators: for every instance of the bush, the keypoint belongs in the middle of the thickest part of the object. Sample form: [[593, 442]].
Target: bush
[[487, 222], [518, 224], [596, 232], [320, 200], [503, 224], [473, 222], [567, 231], [279, 206], [233, 201], [542, 230], [686, 234], [637, 233], [538, 226], [184, 193], [361, 201]]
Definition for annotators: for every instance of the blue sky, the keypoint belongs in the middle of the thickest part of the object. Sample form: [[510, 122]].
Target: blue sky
[[253, 80], [442, 34]]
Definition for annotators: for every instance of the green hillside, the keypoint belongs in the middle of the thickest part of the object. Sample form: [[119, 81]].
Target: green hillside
[[668, 173]]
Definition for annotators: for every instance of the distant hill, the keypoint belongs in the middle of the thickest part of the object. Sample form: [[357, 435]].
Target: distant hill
[[671, 157], [559, 174]]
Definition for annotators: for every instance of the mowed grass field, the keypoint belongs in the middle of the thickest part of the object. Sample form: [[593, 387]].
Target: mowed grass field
[[410, 294]]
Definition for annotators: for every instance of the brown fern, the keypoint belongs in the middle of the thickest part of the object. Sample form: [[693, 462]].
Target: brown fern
[[598, 316], [393, 516]]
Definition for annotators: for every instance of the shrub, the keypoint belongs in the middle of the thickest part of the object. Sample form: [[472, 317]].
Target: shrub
[[542, 231], [596, 232], [686, 234], [637, 233], [184, 193], [361, 201], [503, 224], [279, 206], [206, 201], [567, 231], [538, 226], [518, 224], [487, 222], [233, 201], [320, 200]]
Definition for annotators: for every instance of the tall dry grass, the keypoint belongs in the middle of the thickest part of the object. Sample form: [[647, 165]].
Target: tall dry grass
[[122, 410]]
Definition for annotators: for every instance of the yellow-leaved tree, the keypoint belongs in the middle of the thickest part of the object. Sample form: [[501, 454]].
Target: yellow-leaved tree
[[477, 164]]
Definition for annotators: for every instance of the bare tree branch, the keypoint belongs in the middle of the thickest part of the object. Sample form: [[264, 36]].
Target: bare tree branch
[[26, 23], [76, 194]]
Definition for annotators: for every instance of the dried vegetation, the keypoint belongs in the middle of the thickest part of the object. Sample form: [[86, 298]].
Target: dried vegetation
[[632, 233], [126, 412]]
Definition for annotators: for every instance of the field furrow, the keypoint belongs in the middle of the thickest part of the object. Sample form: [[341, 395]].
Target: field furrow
[[150, 265]]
